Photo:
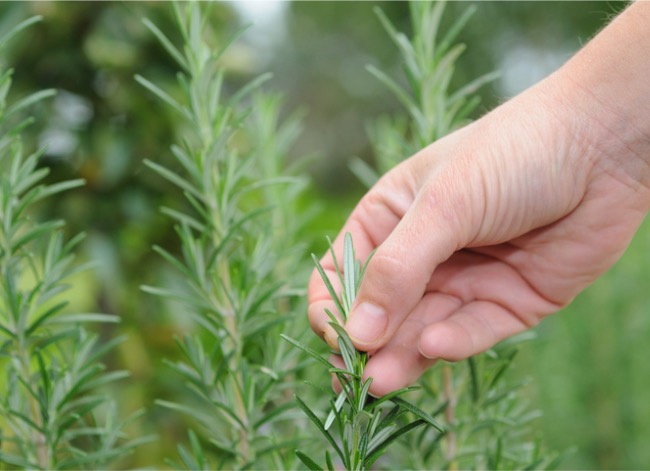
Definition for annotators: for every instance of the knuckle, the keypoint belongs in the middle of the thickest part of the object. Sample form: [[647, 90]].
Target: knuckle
[[386, 278], [386, 269]]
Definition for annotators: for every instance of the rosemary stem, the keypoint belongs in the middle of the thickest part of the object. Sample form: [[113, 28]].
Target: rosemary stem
[[237, 389], [39, 439], [450, 416]]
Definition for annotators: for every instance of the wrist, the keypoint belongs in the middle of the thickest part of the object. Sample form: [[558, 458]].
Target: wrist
[[606, 90]]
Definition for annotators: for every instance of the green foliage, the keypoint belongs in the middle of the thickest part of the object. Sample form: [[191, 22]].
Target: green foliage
[[366, 425], [590, 371], [239, 255], [487, 414], [53, 414], [432, 110]]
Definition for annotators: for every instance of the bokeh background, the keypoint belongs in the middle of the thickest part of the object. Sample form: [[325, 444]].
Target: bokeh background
[[589, 367]]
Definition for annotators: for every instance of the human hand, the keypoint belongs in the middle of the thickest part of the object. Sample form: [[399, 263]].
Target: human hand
[[484, 233]]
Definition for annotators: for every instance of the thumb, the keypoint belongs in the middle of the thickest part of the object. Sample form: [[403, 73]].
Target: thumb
[[396, 278]]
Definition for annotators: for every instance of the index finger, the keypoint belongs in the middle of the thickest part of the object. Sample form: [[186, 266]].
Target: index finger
[[370, 223]]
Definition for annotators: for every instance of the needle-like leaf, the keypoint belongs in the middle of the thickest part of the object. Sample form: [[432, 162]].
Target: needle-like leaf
[[358, 418]]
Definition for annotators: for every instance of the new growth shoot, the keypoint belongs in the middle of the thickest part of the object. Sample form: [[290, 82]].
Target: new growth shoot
[[365, 425]]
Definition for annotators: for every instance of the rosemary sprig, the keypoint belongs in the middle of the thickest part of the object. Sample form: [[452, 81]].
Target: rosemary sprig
[[431, 108], [365, 425]]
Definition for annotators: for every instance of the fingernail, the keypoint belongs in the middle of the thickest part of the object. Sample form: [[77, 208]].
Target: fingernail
[[331, 337], [367, 324], [427, 356]]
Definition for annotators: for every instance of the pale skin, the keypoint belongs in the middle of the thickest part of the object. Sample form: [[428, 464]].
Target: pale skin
[[487, 231]]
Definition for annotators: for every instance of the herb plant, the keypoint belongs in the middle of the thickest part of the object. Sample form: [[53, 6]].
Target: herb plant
[[53, 413], [366, 425], [431, 109], [239, 254]]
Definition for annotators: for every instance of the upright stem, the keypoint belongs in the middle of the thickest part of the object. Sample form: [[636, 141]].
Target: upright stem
[[237, 392], [450, 416], [40, 440], [235, 368]]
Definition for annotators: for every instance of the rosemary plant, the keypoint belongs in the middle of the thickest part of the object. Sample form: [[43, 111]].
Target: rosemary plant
[[53, 414], [366, 425], [486, 418], [432, 110], [239, 253]]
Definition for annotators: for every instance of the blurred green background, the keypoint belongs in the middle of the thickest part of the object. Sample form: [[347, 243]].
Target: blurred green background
[[590, 368]]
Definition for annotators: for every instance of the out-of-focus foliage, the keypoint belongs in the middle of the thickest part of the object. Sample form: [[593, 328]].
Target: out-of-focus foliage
[[53, 413], [242, 261], [591, 371], [592, 379]]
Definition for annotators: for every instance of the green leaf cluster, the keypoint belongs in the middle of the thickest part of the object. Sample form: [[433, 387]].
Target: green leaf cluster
[[53, 414], [432, 109], [366, 425], [486, 414]]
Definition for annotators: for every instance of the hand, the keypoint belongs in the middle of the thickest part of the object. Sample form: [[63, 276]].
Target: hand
[[484, 233]]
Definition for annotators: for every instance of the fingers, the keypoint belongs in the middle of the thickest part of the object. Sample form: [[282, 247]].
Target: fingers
[[371, 222], [437, 224], [399, 363], [472, 329], [321, 304], [441, 327], [320, 321], [417, 216]]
